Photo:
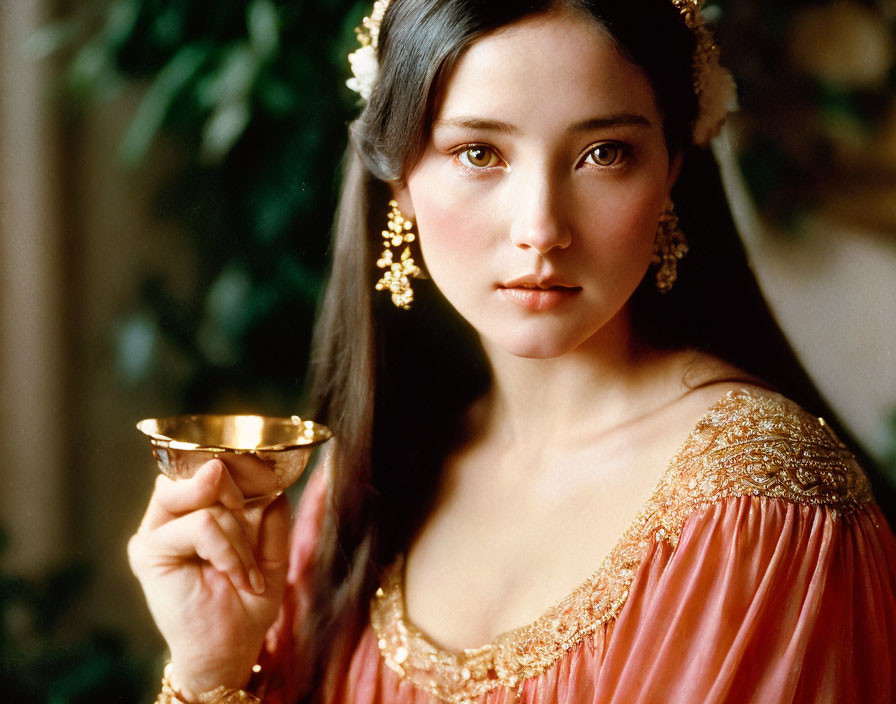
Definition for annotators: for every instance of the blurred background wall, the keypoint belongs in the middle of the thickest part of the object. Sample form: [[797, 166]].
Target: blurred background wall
[[167, 174], [77, 235]]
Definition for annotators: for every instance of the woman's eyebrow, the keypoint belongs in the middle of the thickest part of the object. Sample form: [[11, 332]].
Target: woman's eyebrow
[[602, 122], [475, 123], [617, 120]]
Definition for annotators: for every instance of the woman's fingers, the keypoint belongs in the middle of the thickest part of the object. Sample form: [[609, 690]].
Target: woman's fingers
[[206, 518], [212, 484], [227, 550], [212, 534], [273, 535]]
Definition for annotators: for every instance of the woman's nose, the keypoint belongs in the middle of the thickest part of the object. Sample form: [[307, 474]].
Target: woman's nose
[[539, 222]]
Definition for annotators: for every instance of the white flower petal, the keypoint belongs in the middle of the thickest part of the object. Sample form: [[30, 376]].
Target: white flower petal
[[718, 97], [365, 68]]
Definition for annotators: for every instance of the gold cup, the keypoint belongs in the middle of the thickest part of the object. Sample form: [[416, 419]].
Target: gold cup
[[263, 454]]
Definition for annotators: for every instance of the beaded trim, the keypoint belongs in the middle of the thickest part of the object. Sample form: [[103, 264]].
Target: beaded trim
[[747, 444], [219, 695]]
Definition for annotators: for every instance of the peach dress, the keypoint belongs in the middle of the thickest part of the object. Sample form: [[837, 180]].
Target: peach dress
[[759, 570]]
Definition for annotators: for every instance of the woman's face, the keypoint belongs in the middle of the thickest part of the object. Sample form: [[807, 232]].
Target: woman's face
[[538, 195]]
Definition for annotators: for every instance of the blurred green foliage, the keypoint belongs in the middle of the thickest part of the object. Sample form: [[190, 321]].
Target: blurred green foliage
[[41, 662], [812, 106], [253, 93]]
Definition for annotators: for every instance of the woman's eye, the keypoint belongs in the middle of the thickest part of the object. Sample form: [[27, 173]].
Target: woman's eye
[[478, 157], [606, 154]]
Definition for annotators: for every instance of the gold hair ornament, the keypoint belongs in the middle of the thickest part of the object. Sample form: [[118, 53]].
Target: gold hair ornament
[[397, 275], [713, 84], [364, 60]]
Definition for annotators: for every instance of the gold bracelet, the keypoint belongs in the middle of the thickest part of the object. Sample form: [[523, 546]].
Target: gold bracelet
[[219, 695]]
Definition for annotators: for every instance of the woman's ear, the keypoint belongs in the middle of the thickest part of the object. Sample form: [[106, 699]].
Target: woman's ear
[[402, 196]]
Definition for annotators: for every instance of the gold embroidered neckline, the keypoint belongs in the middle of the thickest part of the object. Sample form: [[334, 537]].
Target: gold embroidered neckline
[[745, 444]]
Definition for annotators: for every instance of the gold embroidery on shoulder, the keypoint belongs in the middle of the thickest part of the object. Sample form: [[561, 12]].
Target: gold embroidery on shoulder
[[746, 444], [761, 445]]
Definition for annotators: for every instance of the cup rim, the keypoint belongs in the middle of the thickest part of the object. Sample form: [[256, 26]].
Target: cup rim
[[154, 427]]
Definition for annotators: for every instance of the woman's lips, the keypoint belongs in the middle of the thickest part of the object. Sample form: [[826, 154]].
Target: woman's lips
[[539, 298]]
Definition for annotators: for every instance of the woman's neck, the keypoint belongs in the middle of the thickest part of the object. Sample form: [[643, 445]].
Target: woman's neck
[[607, 381]]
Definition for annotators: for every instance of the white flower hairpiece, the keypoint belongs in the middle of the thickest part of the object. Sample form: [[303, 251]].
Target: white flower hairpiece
[[713, 83], [364, 63]]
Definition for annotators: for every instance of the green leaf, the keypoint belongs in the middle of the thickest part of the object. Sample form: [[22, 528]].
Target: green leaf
[[263, 22], [234, 78], [223, 130], [227, 310], [136, 342], [120, 21], [158, 99], [51, 38], [89, 69]]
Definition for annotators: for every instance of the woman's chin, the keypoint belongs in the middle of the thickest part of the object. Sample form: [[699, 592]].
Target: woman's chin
[[528, 348]]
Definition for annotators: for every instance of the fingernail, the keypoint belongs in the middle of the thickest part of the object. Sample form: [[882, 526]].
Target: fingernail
[[256, 580]]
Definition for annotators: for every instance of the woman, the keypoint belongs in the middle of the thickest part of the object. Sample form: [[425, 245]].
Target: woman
[[578, 411]]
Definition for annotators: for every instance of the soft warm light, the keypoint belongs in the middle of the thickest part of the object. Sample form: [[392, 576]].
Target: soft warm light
[[247, 431]]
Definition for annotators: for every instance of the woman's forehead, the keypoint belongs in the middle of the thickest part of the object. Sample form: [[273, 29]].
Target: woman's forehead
[[543, 68]]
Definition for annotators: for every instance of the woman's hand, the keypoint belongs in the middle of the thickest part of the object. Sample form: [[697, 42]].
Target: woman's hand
[[212, 587]]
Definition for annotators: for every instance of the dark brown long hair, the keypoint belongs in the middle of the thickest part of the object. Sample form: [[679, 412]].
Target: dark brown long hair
[[394, 384]]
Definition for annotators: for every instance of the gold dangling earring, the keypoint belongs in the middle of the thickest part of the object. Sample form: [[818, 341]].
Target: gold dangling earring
[[397, 275], [669, 246]]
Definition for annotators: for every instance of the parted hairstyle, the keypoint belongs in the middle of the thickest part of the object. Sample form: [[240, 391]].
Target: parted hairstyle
[[394, 384]]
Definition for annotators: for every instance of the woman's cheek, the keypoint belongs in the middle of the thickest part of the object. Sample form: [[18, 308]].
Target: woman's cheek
[[447, 230], [639, 213]]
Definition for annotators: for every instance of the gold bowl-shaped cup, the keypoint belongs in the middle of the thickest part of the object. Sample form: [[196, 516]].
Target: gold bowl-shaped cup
[[263, 454]]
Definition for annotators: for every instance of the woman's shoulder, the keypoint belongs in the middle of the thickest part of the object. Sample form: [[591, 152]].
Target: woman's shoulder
[[753, 441]]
